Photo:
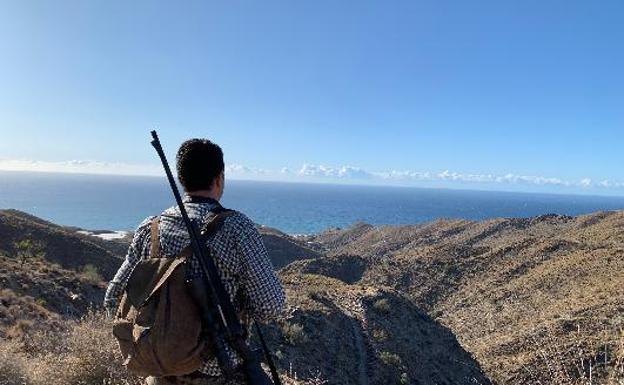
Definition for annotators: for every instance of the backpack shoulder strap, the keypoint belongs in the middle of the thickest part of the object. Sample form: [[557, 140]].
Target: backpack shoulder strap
[[155, 238], [213, 225]]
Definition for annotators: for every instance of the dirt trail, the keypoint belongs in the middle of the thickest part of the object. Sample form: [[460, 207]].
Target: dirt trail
[[351, 309]]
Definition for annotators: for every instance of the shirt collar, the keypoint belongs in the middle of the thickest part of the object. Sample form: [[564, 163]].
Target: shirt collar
[[199, 199]]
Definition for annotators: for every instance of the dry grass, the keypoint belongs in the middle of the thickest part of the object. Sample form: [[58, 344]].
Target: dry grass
[[13, 366], [495, 282], [584, 359], [83, 353]]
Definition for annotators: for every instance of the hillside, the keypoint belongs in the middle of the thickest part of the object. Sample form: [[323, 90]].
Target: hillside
[[361, 334], [284, 249], [57, 244], [48, 272], [536, 300]]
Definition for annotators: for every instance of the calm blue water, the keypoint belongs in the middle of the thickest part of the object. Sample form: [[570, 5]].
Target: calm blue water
[[120, 203]]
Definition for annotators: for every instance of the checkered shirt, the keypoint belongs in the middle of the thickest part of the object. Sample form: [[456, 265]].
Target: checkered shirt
[[239, 253]]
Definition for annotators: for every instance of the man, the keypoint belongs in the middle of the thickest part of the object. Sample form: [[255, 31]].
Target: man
[[239, 252]]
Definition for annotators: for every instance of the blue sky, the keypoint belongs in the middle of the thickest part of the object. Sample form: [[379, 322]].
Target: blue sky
[[513, 95]]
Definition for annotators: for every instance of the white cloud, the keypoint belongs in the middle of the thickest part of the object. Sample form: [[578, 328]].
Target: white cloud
[[450, 176], [532, 180], [241, 170], [585, 182], [236, 169], [447, 176], [80, 166], [344, 172], [404, 175], [353, 173], [310, 170], [609, 184]]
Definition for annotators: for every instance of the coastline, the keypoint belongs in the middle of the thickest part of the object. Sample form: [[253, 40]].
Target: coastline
[[107, 235]]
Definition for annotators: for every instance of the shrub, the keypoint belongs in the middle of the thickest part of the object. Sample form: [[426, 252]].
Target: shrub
[[21, 327], [382, 306], [391, 359], [83, 353], [314, 293], [380, 334], [26, 249], [294, 333], [584, 357], [13, 368], [90, 274]]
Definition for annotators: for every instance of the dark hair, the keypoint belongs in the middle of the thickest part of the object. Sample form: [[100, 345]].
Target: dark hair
[[199, 163]]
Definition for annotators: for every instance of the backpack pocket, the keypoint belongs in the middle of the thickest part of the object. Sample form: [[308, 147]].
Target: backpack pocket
[[122, 330], [137, 349]]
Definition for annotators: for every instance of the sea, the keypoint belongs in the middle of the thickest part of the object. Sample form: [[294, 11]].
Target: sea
[[120, 203]]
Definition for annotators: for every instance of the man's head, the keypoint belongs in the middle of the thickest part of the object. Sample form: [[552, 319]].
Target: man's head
[[200, 168]]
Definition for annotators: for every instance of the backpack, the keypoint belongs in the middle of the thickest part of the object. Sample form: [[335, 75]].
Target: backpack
[[158, 324]]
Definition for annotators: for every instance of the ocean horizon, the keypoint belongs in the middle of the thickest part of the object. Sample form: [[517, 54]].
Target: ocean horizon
[[120, 203]]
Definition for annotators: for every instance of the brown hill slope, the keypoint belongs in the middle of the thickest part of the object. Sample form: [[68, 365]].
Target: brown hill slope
[[48, 273], [358, 334], [39, 294], [59, 245], [534, 299], [284, 249]]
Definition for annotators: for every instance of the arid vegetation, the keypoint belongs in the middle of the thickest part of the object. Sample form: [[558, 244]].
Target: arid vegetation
[[535, 300], [76, 353]]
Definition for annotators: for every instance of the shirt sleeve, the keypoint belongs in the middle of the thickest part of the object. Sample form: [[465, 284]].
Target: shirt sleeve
[[118, 284], [259, 282]]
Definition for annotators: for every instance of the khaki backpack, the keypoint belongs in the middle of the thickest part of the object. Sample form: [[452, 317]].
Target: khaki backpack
[[158, 325]]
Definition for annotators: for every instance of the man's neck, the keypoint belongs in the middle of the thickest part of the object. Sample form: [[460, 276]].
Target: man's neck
[[204, 194]]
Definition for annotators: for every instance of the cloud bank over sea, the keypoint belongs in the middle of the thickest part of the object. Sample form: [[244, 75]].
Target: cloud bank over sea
[[346, 174], [80, 167], [445, 178]]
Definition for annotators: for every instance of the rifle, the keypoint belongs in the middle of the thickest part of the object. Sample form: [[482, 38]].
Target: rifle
[[220, 320]]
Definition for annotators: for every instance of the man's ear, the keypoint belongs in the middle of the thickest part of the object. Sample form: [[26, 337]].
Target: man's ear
[[219, 181]]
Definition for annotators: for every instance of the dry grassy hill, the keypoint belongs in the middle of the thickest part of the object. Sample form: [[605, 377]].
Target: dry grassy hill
[[57, 244], [536, 300], [284, 249], [49, 273], [361, 334]]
